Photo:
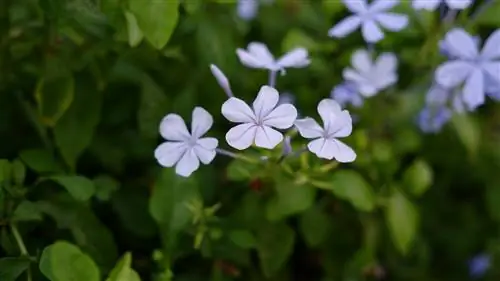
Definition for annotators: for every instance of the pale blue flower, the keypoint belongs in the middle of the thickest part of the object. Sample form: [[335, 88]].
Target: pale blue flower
[[470, 67], [346, 93], [257, 55], [432, 119], [478, 265], [370, 77], [369, 17], [247, 9], [431, 5], [437, 96]]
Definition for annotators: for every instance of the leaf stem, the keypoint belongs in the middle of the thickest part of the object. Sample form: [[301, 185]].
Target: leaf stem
[[21, 245], [272, 78]]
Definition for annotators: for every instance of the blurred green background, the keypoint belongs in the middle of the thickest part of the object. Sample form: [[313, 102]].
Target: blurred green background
[[85, 83]]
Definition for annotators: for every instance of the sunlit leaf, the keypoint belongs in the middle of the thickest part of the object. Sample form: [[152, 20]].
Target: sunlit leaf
[[79, 187], [134, 32], [351, 186], [402, 220], [123, 270], [54, 96]]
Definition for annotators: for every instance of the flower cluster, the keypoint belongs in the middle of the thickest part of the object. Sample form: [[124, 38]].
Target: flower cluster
[[258, 125], [460, 84]]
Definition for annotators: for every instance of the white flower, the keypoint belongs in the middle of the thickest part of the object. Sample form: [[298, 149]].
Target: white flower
[[337, 124], [432, 5], [258, 123], [370, 16], [257, 55], [183, 149], [370, 77]]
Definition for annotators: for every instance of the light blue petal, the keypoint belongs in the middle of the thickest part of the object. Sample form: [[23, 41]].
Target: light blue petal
[[458, 4], [437, 96], [461, 44], [247, 9], [345, 27], [358, 6], [432, 119], [473, 91], [378, 6], [429, 5], [452, 74], [492, 69], [371, 32], [491, 48], [392, 21]]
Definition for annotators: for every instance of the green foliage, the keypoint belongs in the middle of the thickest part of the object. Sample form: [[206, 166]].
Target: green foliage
[[123, 271], [402, 220], [12, 268], [351, 186]]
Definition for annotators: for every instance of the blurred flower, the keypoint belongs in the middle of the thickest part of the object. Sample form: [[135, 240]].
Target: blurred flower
[[478, 265], [286, 98], [247, 9], [183, 149], [221, 80], [370, 77], [257, 55], [346, 93], [432, 118], [287, 146], [337, 124], [431, 5], [439, 96], [470, 66], [258, 123], [369, 17]]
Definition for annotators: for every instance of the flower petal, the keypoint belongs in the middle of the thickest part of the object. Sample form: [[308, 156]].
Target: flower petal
[[172, 127], [473, 92], [386, 63], [208, 143], [371, 32], [267, 137], [241, 136], [298, 57], [266, 100], [453, 73], [247, 9], [205, 155], [493, 70], [308, 128], [322, 148], [430, 5], [491, 49], [201, 122], [328, 110], [382, 5], [362, 61], [342, 127], [392, 21], [437, 95], [343, 153], [345, 27], [282, 117], [358, 6], [169, 153], [220, 77], [188, 163], [260, 51], [458, 4], [249, 60], [236, 110], [460, 43]]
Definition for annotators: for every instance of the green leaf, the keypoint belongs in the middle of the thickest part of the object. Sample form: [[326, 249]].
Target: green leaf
[[54, 95], [239, 170], [314, 226], [135, 35], [12, 268], [168, 203], [27, 211], [296, 38], [402, 220], [468, 132], [75, 130], [418, 177], [332, 7], [489, 15], [40, 160], [156, 18], [81, 188], [18, 172], [152, 108], [89, 233], [63, 261], [492, 197], [351, 186], [290, 198], [243, 238], [5, 170], [105, 186], [123, 271], [274, 247]]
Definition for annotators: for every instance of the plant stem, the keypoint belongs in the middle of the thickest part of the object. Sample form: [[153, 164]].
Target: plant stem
[[272, 78], [22, 246]]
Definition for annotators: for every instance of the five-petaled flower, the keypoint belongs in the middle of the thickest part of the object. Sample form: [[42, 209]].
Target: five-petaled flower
[[475, 69], [337, 124], [369, 17], [183, 149], [258, 122], [431, 5], [257, 55], [370, 77]]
